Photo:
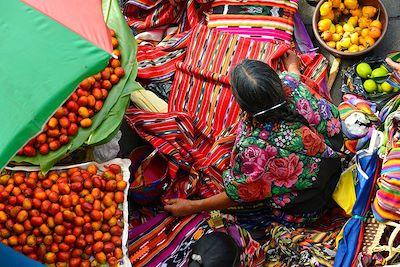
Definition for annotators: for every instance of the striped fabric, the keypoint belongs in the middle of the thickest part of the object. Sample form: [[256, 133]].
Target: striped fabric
[[172, 25], [199, 130], [386, 205], [167, 241], [261, 20]]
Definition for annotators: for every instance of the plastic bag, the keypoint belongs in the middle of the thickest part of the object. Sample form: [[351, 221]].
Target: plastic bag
[[353, 83], [107, 151]]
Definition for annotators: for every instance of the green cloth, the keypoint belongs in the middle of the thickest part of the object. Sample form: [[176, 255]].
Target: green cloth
[[42, 62]]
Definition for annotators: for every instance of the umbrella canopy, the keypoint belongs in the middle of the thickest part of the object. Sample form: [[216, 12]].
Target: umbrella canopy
[[44, 56], [367, 164], [11, 258]]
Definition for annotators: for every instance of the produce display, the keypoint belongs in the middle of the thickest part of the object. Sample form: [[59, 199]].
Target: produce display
[[78, 110], [347, 26], [374, 80], [69, 217]]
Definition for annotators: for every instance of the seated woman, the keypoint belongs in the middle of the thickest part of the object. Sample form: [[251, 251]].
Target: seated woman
[[286, 155]]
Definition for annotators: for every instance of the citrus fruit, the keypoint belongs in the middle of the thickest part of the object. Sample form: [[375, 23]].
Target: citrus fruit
[[370, 86], [386, 87], [378, 72], [363, 70]]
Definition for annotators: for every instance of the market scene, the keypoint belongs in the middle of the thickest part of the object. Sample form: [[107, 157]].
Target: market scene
[[208, 133]]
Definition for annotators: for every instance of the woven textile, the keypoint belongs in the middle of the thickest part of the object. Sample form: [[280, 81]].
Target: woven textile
[[167, 241], [164, 31], [386, 204], [198, 132], [262, 20]]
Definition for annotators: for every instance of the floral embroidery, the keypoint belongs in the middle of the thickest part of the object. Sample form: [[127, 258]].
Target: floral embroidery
[[282, 200], [273, 161], [304, 109], [313, 144], [324, 109], [285, 171], [254, 160], [256, 190], [333, 127], [264, 134]]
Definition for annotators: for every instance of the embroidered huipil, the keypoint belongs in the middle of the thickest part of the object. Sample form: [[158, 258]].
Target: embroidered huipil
[[288, 165]]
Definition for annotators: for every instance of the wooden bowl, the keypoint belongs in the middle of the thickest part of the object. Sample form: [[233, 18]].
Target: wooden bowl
[[383, 18]]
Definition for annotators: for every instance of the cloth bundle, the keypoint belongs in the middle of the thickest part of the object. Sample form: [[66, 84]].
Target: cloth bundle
[[263, 20], [358, 120], [386, 205], [167, 241], [198, 132]]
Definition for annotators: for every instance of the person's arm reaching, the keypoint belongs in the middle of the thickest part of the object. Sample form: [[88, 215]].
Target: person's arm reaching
[[179, 207]]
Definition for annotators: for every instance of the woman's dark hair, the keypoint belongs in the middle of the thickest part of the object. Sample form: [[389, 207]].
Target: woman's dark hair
[[216, 249], [257, 88]]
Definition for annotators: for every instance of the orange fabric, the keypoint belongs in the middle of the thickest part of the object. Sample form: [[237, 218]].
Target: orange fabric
[[82, 17]]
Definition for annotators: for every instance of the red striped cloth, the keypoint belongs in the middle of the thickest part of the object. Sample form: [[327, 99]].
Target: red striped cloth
[[198, 132], [157, 62]]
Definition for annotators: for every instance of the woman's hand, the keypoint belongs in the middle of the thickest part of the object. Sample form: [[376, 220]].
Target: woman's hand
[[394, 65], [180, 207], [292, 62]]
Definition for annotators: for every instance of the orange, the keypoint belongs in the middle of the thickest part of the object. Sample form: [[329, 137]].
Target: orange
[[374, 32]]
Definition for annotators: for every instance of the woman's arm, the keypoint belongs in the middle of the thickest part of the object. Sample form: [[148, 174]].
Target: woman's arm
[[179, 207]]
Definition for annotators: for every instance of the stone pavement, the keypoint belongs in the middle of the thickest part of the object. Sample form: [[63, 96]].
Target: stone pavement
[[389, 43]]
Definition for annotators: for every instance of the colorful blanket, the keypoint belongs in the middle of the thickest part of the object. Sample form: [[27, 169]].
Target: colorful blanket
[[198, 132], [262, 20], [163, 31]]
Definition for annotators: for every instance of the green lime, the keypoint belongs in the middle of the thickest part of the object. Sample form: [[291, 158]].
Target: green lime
[[363, 70], [379, 72], [386, 87], [370, 86], [383, 67]]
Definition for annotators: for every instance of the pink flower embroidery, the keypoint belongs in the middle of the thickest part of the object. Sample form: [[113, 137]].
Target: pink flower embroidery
[[254, 160], [333, 126], [313, 167], [285, 171], [255, 190], [282, 200], [304, 109], [264, 134]]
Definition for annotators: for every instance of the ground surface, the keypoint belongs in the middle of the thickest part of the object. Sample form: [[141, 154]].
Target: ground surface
[[390, 42]]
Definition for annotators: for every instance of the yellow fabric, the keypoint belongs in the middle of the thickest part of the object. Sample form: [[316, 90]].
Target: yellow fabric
[[340, 235], [345, 193], [147, 100]]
